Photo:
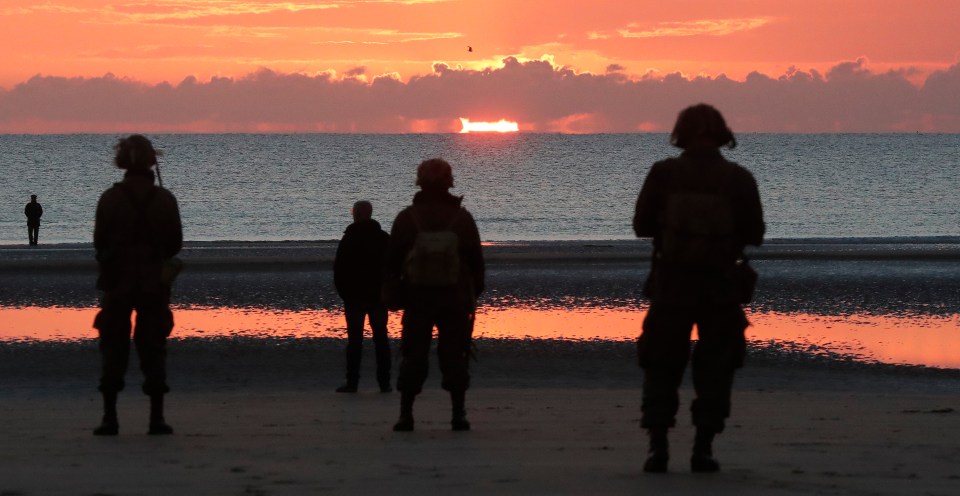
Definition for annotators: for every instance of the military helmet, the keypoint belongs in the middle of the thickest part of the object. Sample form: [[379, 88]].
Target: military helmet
[[435, 173]]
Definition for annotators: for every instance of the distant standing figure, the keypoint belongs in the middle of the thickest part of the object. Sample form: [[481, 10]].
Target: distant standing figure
[[137, 229], [358, 275], [33, 211], [701, 210], [435, 255]]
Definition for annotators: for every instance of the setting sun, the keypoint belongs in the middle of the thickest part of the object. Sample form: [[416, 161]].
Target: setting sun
[[501, 126]]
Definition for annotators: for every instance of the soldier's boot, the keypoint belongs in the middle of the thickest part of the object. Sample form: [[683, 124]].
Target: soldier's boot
[[158, 426], [109, 426], [659, 453], [349, 387], [383, 368], [405, 422], [458, 421], [702, 459], [383, 380]]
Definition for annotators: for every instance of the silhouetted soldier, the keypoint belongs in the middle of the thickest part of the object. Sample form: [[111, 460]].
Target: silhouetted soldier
[[137, 231], [358, 275], [700, 210], [33, 211], [435, 255]]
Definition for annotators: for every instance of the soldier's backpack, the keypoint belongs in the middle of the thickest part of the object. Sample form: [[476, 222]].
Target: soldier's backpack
[[434, 258], [170, 267], [698, 230]]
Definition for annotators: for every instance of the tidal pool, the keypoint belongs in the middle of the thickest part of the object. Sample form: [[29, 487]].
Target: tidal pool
[[896, 339]]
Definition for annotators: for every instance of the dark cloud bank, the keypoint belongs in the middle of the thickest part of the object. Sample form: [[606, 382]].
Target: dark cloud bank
[[540, 96]]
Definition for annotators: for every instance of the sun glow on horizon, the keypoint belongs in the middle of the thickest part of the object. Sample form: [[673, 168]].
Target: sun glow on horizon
[[501, 126]]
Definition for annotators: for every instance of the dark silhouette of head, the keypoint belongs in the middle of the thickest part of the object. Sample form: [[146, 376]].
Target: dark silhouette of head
[[33, 198], [701, 125], [362, 210], [434, 174], [135, 152]]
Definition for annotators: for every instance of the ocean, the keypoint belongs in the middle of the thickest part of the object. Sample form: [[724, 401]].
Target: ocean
[[518, 186]]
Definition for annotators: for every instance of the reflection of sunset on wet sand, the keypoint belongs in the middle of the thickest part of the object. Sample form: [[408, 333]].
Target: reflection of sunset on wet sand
[[916, 340]]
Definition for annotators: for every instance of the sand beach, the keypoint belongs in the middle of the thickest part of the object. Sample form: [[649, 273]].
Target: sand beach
[[256, 414]]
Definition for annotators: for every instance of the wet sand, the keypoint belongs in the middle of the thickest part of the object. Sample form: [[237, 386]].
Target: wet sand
[[258, 416], [829, 277]]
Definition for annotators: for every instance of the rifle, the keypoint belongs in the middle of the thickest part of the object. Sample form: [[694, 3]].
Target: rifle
[[157, 166], [172, 266]]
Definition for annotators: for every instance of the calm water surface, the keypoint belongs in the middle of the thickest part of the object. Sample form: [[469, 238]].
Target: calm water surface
[[519, 186]]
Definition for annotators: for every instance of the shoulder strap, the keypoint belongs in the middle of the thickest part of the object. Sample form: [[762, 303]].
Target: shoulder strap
[[456, 217], [419, 224]]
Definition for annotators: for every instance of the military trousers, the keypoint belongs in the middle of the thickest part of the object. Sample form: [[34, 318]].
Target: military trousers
[[153, 324], [454, 325], [664, 351]]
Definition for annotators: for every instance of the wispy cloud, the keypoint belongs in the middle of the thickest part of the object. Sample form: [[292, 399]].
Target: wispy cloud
[[702, 27], [173, 10], [188, 9], [47, 8], [218, 18], [402, 37], [372, 36], [169, 9]]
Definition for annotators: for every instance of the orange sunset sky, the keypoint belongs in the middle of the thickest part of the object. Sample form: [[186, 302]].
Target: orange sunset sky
[[404, 66]]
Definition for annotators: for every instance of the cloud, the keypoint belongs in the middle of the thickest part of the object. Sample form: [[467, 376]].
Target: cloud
[[47, 8], [539, 95], [180, 10], [702, 27], [405, 37], [339, 35], [165, 10], [189, 11], [159, 10]]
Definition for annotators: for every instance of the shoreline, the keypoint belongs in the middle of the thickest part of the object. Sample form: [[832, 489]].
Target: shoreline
[[320, 253], [895, 310]]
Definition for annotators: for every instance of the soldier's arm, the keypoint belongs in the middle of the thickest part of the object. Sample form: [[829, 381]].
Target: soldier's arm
[[752, 226], [172, 239], [100, 229], [398, 245], [645, 213], [474, 254]]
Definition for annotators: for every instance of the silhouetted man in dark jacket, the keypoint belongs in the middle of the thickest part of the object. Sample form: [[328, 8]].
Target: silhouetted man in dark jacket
[[700, 210], [435, 254], [137, 230], [33, 211], [358, 275]]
